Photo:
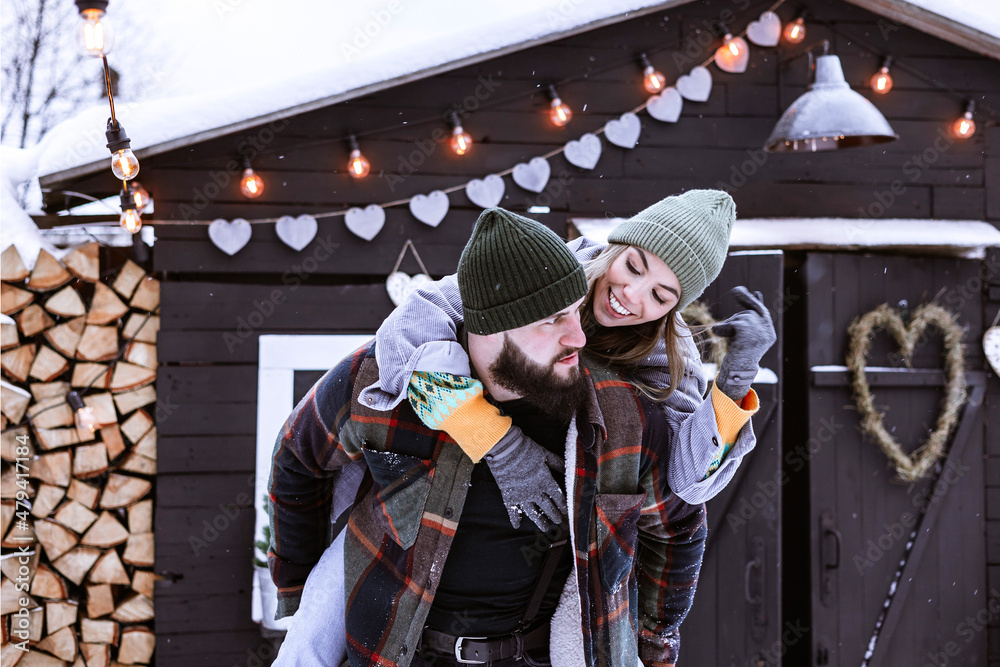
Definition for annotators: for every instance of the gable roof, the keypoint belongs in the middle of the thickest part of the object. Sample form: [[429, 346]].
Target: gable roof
[[76, 147]]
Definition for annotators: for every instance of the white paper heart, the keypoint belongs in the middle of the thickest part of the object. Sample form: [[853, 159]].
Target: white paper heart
[[991, 345], [623, 131], [365, 222], [696, 85], [487, 192], [765, 31], [533, 175], [728, 63], [430, 209], [585, 152], [296, 233], [399, 285], [229, 237], [666, 106]]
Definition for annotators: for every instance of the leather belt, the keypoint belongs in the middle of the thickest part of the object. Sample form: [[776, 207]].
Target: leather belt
[[480, 650]]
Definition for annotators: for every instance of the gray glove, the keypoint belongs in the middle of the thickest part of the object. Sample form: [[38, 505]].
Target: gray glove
[[751, 334], [521, 467]]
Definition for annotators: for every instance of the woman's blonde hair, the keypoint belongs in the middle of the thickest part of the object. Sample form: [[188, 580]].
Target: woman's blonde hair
[[626, 347]]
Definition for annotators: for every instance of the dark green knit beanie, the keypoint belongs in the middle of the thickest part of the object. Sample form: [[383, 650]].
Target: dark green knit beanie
[[689, 232], [515, 271]]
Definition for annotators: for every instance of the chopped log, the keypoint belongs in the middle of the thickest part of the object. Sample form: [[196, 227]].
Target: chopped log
[[147, 446], [137, 463], [47, 584], [147, 296], [85, 494], [90, 460], [13, 299], [34, 320], [130, 400], [96, 655], [10, 445], [12, 268], [65, 337], [123, 490], [140, 517], [141, 354], [46, 499], [35, 658], [8, 483], [48, 364], [104, 408], [137, 646], [129, 376], [143, 581], [84, 262], [79, 662], [54, 438], [91, 375], [9, 595], [8, 335], [11, 564], [136, 426], [52, 468], [66, 303], [139, 550], [3, 421], [16, 363], [59, 614], [141, 327], [98, 343], [112, 437], [35, 624], [128, 277], [48, 273], [105, 307], [7, 508], [76, 563], [55, 539], [106, 532], [108, 570], [9, 655], [51, 413], [75, 516], [136, 609], [99, 632], [61, 643], [100, 601], [45, 390], [13, 401], [21, 534]]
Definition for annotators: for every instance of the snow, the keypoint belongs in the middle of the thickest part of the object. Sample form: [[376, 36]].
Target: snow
[[981, 15], [17, 228]]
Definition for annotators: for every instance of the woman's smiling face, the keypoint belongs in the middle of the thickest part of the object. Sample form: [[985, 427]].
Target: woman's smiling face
[[638, 287]]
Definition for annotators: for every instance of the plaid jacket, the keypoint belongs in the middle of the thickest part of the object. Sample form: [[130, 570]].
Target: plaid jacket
[[638, 547]]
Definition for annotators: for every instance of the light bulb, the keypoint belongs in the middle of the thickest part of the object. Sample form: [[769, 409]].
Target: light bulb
[[358, 166], [83, 415], [882, 81], [461, 142], [964, 127], [730, 56], [795, 31], [652, 80], [559, 113], [251, 185], [124, 164], [130, 220], [94, 35], [139, 195]]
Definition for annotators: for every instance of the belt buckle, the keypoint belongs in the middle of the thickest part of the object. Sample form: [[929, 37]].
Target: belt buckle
[[458, 652]]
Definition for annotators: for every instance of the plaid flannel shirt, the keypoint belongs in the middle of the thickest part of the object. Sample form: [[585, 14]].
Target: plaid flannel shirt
[[638, 547]]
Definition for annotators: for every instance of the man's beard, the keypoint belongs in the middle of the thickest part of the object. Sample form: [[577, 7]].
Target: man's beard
[[538, 384]]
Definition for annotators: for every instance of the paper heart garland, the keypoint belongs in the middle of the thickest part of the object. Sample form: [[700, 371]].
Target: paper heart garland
[[487, 192], [910, 468], [229, 237], [365, 222], [430, 209], [666, 106], [991, 346], [399, 285], [532, 175], [624, 130], [696, 85], [296, 233], [585, 152], [765, 31]]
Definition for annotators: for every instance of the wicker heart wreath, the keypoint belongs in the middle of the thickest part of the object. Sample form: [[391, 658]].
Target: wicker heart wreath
[[698, 316], [909, 467]]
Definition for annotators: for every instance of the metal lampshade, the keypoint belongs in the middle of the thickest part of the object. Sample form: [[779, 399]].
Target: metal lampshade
[[829, 115]]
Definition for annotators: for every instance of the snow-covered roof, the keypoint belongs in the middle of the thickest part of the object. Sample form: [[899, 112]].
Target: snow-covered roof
[[253, 63], [957, 238]]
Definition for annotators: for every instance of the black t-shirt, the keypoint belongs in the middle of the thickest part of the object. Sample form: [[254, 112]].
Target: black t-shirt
[[492, 568]]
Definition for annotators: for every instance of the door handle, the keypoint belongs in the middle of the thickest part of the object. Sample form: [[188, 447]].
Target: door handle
[[829, 566], [756, 602]]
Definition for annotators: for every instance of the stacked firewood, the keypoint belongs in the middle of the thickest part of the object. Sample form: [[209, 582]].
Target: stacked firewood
[[77, 512]]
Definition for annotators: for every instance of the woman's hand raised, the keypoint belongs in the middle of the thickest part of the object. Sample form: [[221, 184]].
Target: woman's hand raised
[[751, 334]]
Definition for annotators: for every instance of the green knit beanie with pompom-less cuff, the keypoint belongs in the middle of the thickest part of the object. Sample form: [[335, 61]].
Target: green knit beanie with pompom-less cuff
[[515, 271], [689, 232]]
